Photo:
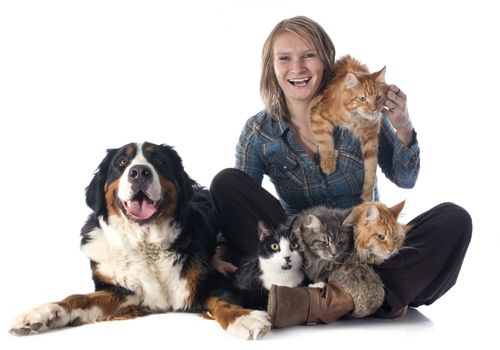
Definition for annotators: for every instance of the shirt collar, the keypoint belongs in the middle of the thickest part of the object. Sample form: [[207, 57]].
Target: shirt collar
[[282, 126]]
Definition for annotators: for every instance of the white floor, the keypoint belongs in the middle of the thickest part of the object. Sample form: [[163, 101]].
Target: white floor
[[448, 324], [415, 330]]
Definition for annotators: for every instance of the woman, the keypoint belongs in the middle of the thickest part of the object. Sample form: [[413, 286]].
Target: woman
[[296, 66]]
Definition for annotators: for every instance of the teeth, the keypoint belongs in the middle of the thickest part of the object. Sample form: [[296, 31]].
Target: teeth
[[299, 81]]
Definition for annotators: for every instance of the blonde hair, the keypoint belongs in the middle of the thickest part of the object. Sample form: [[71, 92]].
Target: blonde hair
[[309, 30]]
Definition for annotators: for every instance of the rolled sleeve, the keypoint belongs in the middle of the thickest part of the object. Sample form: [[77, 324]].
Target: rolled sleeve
[[399, 163]]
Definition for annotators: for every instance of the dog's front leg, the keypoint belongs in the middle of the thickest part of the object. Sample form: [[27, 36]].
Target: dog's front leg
[[75, 310], [238, 321]]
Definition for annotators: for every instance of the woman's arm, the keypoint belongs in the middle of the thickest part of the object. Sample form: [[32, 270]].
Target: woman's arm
[[249, 151], [399, 163]]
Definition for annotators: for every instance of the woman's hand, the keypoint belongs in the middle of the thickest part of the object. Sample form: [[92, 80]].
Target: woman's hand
[[224, 267], [397, 112]]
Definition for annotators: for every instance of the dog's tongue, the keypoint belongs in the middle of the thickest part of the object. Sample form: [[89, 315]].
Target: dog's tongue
[[140, 209]]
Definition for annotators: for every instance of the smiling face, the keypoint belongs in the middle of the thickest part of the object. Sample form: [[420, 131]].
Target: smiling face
[[140, 183], [298, 68]]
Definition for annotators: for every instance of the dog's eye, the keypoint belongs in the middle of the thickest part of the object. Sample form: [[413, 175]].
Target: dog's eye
[[158, 161], [122, 163]]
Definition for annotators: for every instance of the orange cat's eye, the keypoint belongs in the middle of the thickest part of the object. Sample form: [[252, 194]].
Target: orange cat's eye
[[275, 246], [362, 98], [379, 97], [380, 237]]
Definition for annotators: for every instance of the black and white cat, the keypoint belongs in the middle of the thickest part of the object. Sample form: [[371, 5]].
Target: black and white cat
[[278, 261]]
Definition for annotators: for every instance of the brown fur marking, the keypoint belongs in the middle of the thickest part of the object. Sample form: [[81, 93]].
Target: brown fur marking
[[224, 312], [110, 305], [106, 301], [111, 200], [170, 198], [129, 151], [193, 274], [150, 149]]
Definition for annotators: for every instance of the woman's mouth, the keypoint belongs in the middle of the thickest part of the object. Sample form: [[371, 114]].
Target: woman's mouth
[[299, 82]]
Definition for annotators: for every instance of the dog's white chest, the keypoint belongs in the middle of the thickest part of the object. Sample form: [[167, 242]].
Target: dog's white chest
[[141, 263]]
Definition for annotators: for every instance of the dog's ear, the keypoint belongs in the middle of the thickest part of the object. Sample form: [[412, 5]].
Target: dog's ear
[[95, 193]]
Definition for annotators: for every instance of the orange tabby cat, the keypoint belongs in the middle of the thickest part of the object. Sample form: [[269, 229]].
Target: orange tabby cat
[[377, 233], [354, 101]]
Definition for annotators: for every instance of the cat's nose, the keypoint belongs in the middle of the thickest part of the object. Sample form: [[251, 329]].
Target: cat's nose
[[288, 259]]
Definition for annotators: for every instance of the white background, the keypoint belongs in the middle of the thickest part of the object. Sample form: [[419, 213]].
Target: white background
[[78, 77]]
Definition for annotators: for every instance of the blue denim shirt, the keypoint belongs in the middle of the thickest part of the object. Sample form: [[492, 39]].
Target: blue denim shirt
[[267, 145]]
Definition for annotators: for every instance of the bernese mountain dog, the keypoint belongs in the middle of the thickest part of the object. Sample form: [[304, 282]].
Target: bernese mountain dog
[[149, 239]]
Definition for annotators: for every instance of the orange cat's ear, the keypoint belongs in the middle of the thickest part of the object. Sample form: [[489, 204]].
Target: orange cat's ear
[[313, 222], [380, 75], [371, 214], [396, 210], [263, 230], [351, 80]]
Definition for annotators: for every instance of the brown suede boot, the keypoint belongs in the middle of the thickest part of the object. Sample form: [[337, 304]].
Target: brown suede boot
[[300, 305]]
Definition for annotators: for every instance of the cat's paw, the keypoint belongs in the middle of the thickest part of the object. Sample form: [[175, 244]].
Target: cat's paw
[[374, 260], [40, 319], [319, 285], [252, 326], [328, 165]]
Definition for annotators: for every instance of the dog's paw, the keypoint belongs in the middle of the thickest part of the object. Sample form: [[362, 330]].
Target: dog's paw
[[252, 326], [39, 319], [319, 285]]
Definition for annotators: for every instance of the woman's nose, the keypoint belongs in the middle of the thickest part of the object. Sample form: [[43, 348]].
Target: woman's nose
[[297, 65]]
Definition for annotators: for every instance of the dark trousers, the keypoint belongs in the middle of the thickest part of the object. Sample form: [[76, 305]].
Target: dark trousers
[[423, 271]]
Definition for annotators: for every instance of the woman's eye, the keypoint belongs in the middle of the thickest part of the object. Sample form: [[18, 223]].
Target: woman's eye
[[284, 58], [309, 55], [275, 246]]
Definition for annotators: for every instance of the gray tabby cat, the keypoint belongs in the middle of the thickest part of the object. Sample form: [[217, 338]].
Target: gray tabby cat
[[326, 240]]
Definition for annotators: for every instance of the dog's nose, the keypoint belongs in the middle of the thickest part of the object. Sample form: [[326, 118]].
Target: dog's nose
[[139, 173]]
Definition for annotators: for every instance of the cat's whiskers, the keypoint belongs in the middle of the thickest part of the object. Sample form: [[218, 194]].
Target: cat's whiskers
[[407, 248]]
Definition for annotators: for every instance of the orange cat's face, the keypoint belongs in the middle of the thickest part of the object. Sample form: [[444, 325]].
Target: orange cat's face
[[378, 235], [364, 94]]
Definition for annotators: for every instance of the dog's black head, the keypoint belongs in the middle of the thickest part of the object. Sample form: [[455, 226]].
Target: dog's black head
[[142, 181]]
